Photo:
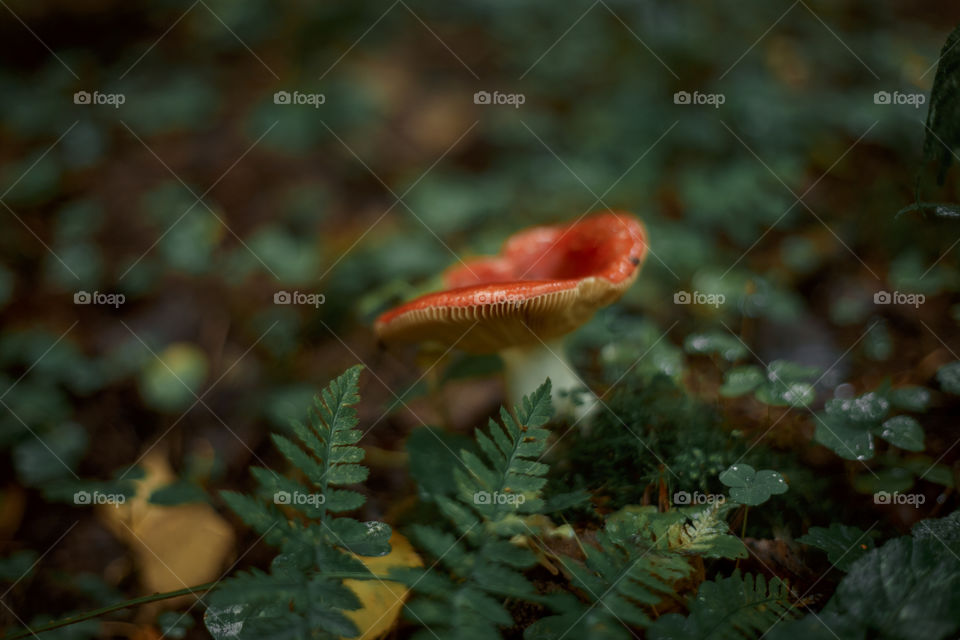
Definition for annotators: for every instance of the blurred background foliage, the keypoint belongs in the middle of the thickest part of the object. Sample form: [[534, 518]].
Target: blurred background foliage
[[199, 198]]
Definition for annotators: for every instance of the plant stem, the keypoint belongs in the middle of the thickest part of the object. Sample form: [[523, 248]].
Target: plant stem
[[80, 617], [743, 531], [126, 604]]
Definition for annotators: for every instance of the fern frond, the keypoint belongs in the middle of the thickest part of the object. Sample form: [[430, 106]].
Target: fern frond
[[327, 455], [731, 608], [477, 567], [630, 570], [705, 532], [510, 480], [303, 595]]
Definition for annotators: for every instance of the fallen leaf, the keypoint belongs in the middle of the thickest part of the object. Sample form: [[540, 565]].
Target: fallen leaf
[[174, 546], [382, 599]]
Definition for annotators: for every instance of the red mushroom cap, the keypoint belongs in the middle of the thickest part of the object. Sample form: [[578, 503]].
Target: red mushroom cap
[[546, 282]]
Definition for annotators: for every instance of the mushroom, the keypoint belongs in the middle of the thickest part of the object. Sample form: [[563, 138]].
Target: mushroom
[[546, 282]]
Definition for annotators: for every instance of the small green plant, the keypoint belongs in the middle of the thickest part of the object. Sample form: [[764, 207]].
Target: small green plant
[[303, 595], [848, 426], [733, 607], [782, 384]]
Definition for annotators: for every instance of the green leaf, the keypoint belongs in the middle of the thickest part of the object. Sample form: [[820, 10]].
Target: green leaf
[[741, 380], [724, 344], [909, 587], [869, 408], [844, 545], [942, 131], [904, 432], [362, 538], [304, 596], [789, 394], [751, 487], [910, 398], [734, 607], [786, 371], [496, 482], [510, 480], [633, 569], [850, 443], [949, 377], [705, 533]]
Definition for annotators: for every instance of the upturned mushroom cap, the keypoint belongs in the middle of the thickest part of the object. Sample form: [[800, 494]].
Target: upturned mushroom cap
[[546, 282]]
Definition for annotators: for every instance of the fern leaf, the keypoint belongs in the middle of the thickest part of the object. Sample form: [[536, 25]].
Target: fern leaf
[[631, 570], [477, 568], [327, 455], [303, 595], [729, 608], [706, 533], [510, 480]]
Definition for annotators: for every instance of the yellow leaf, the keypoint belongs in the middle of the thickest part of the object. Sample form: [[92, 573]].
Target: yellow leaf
[[174, 546], [382, 599]]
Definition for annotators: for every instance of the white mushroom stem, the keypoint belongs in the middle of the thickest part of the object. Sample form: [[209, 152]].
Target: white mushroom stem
[[526, 368]]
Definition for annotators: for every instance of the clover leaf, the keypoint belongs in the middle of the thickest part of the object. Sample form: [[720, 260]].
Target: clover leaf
[[741, 380], [783, 384], [910, 398], [726, 345], [904, 432], [847, 425], [847, 440], [751, 487], [949, 377]]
